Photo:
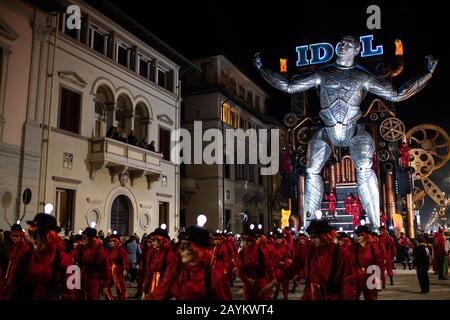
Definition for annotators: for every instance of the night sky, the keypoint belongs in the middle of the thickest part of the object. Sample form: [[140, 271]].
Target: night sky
[[238, 29]]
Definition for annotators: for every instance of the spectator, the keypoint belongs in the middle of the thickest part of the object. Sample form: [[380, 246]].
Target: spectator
[[421, 261], [112, 133], [133, 249], [151, 146], [144, 143], [132, 138], [122, 136]]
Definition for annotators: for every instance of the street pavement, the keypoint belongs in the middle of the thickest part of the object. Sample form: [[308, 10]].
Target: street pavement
[[406, 287]]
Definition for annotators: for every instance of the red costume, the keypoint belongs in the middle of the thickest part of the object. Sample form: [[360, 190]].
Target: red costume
[[95, 270], [194, 280], [356, 211], [391, 252], [158, 264], [229, 241], [325, 280], [363, 258], [118, 260], [286, 161], [19, 257], [331, 203], [404, 155], [439, 252], [255, 270], [285, 260], [147, 251], [329, 272], [348, 204], [190, 282]]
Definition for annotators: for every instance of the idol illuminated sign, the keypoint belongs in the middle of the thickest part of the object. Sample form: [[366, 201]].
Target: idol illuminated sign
[[324, 52]]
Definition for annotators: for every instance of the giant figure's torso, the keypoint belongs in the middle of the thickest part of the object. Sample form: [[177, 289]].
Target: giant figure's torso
[[341, 92]]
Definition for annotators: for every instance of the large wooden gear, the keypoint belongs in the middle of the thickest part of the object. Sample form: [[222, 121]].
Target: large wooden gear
[[422, 163], [392, 129], [433, 139]]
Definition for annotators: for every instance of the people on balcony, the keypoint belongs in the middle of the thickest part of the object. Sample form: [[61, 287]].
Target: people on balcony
[[119, 134], [132, 139], [144, 143], [151, 146]]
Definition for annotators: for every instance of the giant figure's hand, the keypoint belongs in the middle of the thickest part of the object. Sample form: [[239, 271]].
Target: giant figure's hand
[[432, 63], [257, 61]]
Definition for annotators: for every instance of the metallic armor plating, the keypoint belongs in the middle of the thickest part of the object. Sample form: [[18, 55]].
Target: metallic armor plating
[[341, 87]]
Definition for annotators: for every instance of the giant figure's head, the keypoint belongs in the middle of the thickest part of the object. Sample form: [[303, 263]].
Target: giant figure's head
[[347, 49]]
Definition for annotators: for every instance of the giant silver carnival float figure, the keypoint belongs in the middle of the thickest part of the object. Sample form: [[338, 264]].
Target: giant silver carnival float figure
[[342, 86]]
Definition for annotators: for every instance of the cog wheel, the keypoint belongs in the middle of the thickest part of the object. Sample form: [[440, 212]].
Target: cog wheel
[[392, 129], [432, 139], [383, 155], [304, 135], [290, 119], [374, 116], [383, 69], [303, 161], [382, 144], [422, 163]]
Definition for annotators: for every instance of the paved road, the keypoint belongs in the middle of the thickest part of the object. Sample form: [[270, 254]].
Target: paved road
[[406, 288]]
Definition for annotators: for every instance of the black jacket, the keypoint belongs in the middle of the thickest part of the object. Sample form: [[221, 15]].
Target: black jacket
[[421, 258]]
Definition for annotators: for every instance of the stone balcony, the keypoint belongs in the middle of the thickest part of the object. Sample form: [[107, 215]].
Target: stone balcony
[[123, 161]]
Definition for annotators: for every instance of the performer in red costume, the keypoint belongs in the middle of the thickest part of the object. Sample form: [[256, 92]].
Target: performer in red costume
[[439, 252], [391, 253], [220, 254], [328, 266], [18, 258], [332, 203], [161, 259], [46, 274], [405, 157], [348, 204], [285, 255], [356, 211], [254, 266], [365, 255], [118, 260], [93, 261], [192, 278]]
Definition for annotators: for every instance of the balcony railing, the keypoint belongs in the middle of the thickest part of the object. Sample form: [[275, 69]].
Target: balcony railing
[[123, 160]]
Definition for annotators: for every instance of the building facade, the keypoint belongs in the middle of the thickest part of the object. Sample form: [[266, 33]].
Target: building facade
[[81, 82], [231, 195]]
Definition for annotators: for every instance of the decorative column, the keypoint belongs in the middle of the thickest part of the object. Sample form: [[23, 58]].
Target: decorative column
[[338, 172], [410, 215], [390, 195], [301, 200], [333, 176]]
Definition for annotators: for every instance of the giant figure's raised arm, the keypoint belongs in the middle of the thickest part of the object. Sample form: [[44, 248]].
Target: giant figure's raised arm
[[384, 89], [299, 84]]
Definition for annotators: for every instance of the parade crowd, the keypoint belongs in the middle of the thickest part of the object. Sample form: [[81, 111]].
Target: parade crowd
[[197, 265]]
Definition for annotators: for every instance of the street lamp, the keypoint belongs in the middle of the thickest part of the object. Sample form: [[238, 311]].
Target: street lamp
[[48, 208], [201, 220]]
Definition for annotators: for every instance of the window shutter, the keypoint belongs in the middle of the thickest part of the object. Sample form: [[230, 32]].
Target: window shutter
[[169, 80], [133, 54]]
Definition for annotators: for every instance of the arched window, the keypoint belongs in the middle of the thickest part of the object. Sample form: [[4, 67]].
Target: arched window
[[104, 102], [123, 113], [141, 122]]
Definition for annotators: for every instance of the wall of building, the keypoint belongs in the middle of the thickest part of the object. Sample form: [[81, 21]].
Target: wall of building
[[19, 136]]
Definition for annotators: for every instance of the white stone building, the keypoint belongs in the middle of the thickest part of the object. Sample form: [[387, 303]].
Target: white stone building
[[62, 90], [223, 97]]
